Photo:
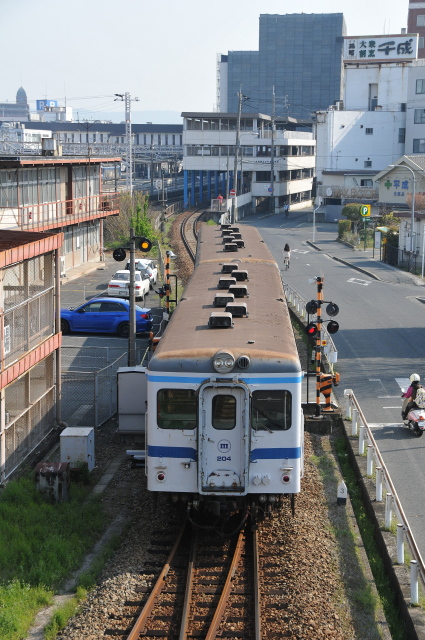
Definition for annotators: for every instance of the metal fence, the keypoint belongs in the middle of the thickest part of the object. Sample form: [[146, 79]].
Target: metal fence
[[89, 383], [393, 507]]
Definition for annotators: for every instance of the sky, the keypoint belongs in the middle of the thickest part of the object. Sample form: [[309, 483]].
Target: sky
[[163, 52]]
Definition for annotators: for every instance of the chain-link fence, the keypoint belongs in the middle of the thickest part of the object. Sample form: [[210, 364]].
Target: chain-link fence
[[89, 384]]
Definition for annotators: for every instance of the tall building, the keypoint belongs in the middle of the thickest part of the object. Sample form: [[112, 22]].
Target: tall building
[[416, 23], [18, 110], [301, 55]]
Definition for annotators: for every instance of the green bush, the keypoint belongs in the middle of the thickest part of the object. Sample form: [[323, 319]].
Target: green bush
[[344, 227]]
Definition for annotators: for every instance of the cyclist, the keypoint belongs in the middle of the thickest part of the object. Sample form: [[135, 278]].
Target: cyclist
[[286, 255]]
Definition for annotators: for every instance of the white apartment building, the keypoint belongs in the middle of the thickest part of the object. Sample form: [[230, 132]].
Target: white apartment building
[[282, 167], [366, 132]]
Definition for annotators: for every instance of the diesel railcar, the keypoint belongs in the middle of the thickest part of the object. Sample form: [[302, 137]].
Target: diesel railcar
[[224, 423]]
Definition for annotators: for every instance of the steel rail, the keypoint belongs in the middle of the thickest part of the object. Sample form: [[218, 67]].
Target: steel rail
[[219, 612], [183, 236], [159, 585], [184, 627], [257, 593], [400, 512]]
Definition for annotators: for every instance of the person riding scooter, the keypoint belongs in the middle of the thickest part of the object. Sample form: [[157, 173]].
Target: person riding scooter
[[410, 395]]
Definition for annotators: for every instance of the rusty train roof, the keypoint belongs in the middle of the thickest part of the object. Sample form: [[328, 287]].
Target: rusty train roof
[[266, 335]]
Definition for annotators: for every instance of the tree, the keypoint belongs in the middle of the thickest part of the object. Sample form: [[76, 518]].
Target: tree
[[352, 212], [134, 212]]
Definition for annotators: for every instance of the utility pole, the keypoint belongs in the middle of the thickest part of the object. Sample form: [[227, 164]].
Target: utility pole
[[128, 141], [237, 146], [272, 207], [131, 296]]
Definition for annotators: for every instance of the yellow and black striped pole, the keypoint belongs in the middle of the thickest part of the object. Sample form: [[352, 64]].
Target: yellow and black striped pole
[[319, 343], [167, 283]]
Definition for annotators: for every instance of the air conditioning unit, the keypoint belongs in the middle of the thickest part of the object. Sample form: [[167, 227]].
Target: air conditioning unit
[[220, 320], [228, 267], [231, 246], [227, 239], [221, 299], [225, 282], [240, 244], [237, 309], [240, 275], [239, 290]]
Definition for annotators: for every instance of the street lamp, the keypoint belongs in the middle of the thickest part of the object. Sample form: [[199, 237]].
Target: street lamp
[[404, 166]]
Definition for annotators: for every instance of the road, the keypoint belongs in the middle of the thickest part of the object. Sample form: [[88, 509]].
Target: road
[[380, 341]]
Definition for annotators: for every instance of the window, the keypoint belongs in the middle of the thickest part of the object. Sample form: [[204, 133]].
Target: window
[[112, 307], [420, 21], [420, 86], [369, 131], [421, 42], [271, 410], [159, 139], [403, 106], [223, 412], [402, 135], [94, 307], [263, 176], [166, 139], [174, 140], [367, 164], [366, 182], [419, 145], [176, 409], [419, 116]]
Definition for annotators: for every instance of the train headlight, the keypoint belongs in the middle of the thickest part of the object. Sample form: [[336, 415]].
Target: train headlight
[[265, 479], [223, 362]]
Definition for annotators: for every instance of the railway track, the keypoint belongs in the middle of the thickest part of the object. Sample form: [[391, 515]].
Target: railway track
[[188, 232], [208, 587]]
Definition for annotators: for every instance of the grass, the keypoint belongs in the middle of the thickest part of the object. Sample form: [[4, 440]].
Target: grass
[[63, 614], [366, 528], [41, 543]]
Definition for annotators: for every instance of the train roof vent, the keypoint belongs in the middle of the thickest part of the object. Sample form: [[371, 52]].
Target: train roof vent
[[236, 236], [231, 246], [225, 226], [220, 320], [227, 238], [228, 267], [240, 244], [240, 275], [243, 362], [234, 229], [239, 290], [221, 299], [237, 309], [225, 282]]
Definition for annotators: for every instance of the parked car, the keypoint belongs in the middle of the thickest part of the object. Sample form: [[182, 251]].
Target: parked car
[[145, 263], [119, 284], [105, 315]]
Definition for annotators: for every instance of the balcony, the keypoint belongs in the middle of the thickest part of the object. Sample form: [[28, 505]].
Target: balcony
[[51, 215]]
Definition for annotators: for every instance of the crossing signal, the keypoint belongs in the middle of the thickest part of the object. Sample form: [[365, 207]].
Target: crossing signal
[[145, 245], [333, 326], [119, 255], [311, 329]]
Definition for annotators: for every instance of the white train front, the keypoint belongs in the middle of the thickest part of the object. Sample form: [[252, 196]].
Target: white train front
[[224, 425]]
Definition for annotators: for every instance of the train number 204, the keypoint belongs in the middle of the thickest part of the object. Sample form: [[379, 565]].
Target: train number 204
[[224, 458]]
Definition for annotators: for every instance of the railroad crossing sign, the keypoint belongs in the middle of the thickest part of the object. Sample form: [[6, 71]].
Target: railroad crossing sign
[[365, 210], [232, 192], [158, 184]]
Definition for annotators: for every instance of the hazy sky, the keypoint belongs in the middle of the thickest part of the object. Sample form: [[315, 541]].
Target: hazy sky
[[164, 51]]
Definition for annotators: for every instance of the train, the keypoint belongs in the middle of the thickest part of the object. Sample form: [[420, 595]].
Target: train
[[224, 424]]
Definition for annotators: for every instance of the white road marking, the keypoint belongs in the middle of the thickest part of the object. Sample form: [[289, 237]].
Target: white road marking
[[380, 425], [397, 407], [403, 383], [299, 251], [365, 283]]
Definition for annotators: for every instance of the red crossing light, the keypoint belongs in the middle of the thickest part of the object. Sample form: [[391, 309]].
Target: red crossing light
[[311, 329]]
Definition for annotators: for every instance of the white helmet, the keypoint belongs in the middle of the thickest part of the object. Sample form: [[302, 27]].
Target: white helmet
[[414, 377]]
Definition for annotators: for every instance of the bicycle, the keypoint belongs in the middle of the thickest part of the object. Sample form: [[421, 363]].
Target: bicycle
[[286, 262]]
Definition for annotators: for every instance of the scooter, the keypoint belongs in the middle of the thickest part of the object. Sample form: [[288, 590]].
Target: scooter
[[416, 421]]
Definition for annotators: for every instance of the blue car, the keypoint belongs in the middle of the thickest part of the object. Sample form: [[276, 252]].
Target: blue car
[[105, 315]]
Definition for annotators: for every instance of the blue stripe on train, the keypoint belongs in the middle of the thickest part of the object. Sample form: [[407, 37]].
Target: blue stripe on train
[[265, 380], [172, 452], [275, 454], [256, 454]]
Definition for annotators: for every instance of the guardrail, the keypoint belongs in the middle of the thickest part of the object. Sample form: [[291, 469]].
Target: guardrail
[[360, 428], [298, 304]]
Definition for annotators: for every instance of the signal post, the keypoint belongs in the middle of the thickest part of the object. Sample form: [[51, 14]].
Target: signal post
[[314, 329]]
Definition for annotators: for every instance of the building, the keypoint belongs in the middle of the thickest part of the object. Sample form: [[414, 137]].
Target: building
[[279, 167], [156, 147], [15, 111], [367, 130], [60, 194], [29, 349], [416, 23], [300, 55]]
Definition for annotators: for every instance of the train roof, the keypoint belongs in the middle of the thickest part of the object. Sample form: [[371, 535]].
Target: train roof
[[265, 335]]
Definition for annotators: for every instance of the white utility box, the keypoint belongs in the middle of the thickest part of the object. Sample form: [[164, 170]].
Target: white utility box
[[132, 399], [77, 446]]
